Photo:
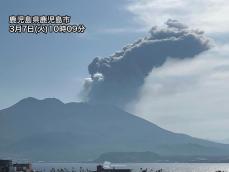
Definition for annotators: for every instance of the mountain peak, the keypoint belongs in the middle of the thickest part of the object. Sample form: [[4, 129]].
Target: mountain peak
[[31, 100], [28, 99]]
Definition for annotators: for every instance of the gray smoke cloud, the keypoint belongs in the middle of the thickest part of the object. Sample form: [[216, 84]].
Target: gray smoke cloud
[[117, 79]]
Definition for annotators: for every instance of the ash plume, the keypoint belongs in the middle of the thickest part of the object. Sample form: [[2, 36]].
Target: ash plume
[[117, 79]]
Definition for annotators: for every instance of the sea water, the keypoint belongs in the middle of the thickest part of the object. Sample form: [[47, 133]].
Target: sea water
[[166, 167]]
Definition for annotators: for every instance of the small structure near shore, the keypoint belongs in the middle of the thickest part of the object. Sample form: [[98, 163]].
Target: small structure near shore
[[25, 167], [101, 169], [6, 166]]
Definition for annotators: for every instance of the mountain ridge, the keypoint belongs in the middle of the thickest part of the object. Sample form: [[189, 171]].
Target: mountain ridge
[[49, 129]]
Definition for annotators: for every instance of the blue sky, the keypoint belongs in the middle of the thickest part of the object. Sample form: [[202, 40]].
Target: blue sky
[[55, 65]]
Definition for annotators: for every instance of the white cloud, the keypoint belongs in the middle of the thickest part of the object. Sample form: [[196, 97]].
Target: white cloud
[[208, 15], [189, 96]]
